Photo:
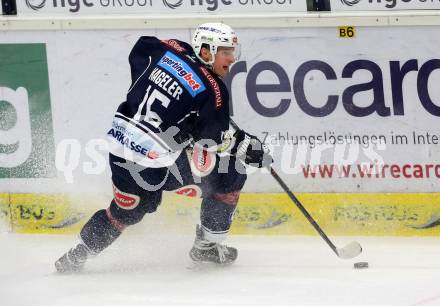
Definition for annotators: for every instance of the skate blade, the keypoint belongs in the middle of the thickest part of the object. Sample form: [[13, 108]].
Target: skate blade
[[62, 269], [207, 265]]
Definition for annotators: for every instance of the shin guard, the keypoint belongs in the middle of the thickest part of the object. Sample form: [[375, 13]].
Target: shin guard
[[100, 231], [216, 218]]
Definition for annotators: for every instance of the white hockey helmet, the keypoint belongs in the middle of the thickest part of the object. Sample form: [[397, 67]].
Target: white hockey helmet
[[215, 34]]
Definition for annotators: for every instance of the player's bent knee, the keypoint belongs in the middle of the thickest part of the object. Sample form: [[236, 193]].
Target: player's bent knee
[[133, 208], [115, 222], [100, 231]]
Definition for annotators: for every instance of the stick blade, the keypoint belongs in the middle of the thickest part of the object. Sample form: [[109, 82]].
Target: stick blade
[[351, 250]]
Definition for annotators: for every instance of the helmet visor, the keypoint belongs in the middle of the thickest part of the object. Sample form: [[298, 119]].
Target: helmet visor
[[233, 52]]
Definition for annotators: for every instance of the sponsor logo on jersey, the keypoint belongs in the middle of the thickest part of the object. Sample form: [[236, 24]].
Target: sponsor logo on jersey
[[190, 191], [202, 161], [215, 87], [183, 72], [152, 154], [125, 200], [173, 44], [125, 140], [133, 139]]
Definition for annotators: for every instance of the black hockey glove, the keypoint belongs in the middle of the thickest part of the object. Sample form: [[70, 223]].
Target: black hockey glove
[[251, 150]]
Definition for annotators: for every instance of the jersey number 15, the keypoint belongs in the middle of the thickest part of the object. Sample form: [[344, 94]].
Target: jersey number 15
[[148, 100]]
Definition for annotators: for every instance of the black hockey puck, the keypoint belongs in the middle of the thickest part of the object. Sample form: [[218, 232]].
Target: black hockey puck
[[361, 265]]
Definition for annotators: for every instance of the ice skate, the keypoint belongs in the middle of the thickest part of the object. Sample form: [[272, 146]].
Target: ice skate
[[204, 251], [73, 260]]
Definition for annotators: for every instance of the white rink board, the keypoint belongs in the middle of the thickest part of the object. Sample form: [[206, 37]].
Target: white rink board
[[323, 50], [89, 75]]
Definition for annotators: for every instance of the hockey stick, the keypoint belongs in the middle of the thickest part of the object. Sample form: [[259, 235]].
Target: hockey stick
[[351, 250]]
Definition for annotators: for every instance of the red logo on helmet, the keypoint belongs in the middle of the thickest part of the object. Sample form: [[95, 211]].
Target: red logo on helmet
[[125, 200]]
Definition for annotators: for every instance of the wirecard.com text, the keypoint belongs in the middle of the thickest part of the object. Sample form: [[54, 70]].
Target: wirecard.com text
[[372, 171]]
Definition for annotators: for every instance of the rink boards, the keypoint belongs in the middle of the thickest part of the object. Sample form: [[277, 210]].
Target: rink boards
[[257, 213], [352, 122]]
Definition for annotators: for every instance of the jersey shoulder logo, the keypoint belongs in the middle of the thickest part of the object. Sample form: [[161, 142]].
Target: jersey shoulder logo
[[173, 44], [183, 72]]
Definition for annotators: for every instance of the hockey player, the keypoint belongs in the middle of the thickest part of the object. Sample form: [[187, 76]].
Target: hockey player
[[172, 131]]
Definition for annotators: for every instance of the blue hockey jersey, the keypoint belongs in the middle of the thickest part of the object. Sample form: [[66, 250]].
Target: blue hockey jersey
[[171, 91]]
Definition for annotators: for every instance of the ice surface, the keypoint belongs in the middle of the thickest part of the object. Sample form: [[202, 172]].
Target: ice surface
[[153, 269]]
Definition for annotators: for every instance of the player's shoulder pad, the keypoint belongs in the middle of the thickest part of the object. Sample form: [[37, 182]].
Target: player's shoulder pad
[[146, 45]]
